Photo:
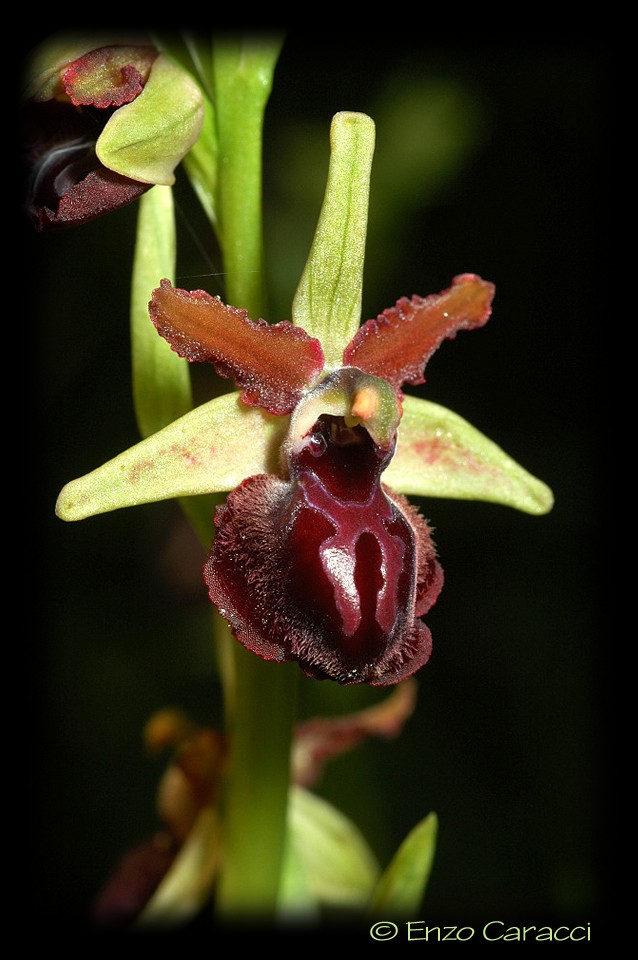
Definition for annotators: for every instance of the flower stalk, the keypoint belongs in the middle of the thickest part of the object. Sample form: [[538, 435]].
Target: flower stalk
[[254, 804], [256, 800], [242, 70]]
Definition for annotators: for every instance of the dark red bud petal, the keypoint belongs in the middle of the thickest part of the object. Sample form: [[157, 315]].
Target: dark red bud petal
[[109, 76], [329, 568], [66, 184], [100, 191]]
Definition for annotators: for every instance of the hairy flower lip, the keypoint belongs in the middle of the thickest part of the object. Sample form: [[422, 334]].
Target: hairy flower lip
[[100, 192], [66, 184], [328, 567]]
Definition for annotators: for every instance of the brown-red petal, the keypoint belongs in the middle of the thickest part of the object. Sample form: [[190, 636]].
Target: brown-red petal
[[397, 345], [274, 364]]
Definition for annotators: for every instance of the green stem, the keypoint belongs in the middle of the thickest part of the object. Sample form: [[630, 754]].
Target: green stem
[[258, 786], [260, 701], [242, 72]]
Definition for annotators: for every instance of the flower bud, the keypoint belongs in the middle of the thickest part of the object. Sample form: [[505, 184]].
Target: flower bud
[[101, 125]]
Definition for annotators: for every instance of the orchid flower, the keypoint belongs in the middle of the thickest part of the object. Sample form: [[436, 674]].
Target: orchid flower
[[318, 555], [103, 120]]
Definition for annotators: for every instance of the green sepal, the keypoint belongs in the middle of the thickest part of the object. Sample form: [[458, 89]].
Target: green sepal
[[147, 138], [209, 450], [399, 892], [439, 454], [328, 861], [327, 303]]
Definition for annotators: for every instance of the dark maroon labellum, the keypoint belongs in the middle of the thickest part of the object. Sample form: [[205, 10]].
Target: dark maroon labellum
[[329, 568], [65, 183]]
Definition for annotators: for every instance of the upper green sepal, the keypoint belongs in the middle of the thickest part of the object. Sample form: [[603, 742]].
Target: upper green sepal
[[327, 303], [209, 450], [439, 454]]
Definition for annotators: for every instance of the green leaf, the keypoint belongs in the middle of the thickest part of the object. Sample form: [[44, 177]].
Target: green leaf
[[400, 890], [161, 379], [327, 303], [441, 455], [209, 450], [328, 861], [147, 138]]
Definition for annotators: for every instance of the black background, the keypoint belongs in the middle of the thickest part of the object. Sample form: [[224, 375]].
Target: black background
[[506, 742]]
